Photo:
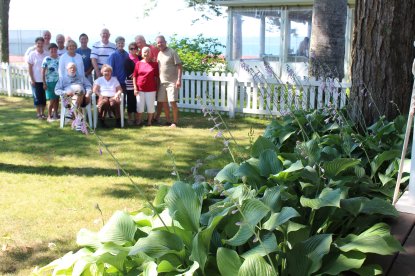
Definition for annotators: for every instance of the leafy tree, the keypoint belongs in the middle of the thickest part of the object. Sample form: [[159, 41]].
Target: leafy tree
[[4, 28], [199, 54]]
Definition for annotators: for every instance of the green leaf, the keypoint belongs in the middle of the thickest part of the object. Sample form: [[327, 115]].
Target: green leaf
[[337, 166], [311, 252], [161, 193], [253, 211], [268, 244], [201, 242], [278, 219], [184, 206], [384, 156], [343, 262], [290, 174], [255, 266], [261, 144], [269, 163], [227, 173], [157, 244], [165, 266], [120, 229], [228, 261], [327, 197], [150, 269], [272, 198], [364, 205], [376, 239], [88, 238], [251, 173], [369, 270]]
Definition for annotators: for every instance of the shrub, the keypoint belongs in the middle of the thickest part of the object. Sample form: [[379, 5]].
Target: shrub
[[199, 54]]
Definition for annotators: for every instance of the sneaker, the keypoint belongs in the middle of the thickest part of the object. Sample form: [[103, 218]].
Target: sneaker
[[167, 123], [43, 116], [173, 125], [50, 120], [39, 116]]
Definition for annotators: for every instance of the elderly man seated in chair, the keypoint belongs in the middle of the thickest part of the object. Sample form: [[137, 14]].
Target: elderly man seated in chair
[[75, 91]]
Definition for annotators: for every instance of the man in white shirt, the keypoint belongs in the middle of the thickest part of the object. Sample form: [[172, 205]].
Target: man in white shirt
[[101, 50]]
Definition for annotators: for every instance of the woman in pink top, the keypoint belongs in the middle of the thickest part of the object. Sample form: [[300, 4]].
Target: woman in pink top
[[146, 81]]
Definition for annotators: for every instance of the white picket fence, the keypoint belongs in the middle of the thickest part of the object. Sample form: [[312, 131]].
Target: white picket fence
[[226, 92]]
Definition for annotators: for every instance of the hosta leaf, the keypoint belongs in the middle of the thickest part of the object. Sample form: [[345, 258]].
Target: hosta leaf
[[329, 153], [343, 262], [267, 245], [161, 193], [359, 171], [376, 239], [150, 269], [269, 163], [165, 266], [88, 238], [313, 151], [157, 244], [382, 157], [251, 173], [228, 261], [272, 198], [253, 211], [260, 145], [120, 229], [191, 270], [116, 260], [337, 166], [282, 217], [364, 205], [227, 173], [290, 174], [311, 251], [184, 206], [201, 242], [255, 266], [369, 270], [327, 197]]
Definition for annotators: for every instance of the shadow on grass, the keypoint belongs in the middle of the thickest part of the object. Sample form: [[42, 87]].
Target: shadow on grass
[[162, 173], [130, 191], [25, 257]]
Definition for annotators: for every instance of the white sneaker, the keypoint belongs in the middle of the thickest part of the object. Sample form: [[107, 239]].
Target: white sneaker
[[50, 120]]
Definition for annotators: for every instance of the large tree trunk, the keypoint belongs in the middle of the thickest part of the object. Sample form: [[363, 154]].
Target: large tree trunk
[[382, 58], [327, 43], [4, 28]]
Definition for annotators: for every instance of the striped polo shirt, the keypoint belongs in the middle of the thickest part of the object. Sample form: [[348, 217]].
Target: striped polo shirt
[[101, 52]]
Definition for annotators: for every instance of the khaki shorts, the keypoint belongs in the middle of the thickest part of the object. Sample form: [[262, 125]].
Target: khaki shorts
[[168, 93]]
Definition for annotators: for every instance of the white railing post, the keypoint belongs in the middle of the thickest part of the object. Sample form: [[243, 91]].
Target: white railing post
[[406, 203], [232, 90]]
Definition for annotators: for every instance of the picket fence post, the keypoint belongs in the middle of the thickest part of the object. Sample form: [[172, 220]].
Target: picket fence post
[[233, 89]]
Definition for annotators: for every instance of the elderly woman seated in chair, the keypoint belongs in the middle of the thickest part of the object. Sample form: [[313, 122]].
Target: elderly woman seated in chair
[[108, 90], [75, 89]]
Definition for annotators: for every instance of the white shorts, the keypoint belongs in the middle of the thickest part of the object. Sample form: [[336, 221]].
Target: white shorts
[[146, 99], [168, 93]]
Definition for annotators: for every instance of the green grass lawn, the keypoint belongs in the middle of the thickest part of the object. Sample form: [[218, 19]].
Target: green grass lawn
[[51, 179]]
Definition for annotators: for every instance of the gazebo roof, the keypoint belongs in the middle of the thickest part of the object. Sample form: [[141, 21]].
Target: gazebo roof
[[256, 3]]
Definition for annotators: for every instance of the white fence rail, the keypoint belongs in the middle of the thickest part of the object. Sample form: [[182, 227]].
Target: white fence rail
[[227, 92]]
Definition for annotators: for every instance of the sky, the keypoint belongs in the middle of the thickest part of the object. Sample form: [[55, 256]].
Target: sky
[[121, 17]]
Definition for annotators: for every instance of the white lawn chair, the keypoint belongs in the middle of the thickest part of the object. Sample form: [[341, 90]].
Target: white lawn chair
[[95, 108], [85, 110]]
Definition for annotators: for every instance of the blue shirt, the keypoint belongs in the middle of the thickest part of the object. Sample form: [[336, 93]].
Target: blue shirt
[[86, 57], [117, 61]]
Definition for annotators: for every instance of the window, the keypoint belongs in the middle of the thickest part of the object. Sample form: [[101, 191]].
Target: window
[[256, 33]]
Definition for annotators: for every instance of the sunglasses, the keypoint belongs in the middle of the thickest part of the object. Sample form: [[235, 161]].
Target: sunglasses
[[133, 48]]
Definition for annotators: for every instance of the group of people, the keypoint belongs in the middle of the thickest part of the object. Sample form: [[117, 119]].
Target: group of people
[[143, 75]]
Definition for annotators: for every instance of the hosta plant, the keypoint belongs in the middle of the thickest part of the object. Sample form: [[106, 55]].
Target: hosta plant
[[310, 200]]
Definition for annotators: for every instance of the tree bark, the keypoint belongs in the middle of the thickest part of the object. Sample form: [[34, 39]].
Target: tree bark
[[4, 27], [382, 59], [327, 43]]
